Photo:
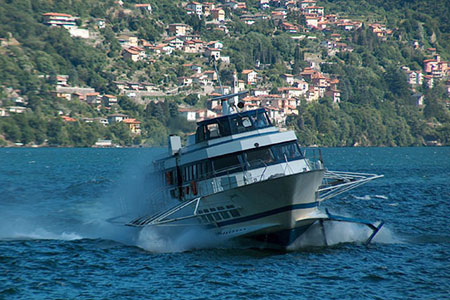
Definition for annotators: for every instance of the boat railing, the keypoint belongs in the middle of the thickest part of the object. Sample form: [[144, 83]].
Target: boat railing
[[314, 160], [240, 175]]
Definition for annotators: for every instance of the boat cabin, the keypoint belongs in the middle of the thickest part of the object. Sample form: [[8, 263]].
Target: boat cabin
[[232, 124]]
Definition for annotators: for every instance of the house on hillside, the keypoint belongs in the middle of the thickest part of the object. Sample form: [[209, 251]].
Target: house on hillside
[[68, 119], [316, 10], [144, 7], [174, 42], [134, 53], [109, 100], [218, 14], [184, 81], [288, 78], [116, 118], [207, 8], [93, 98], [250, 76], [335, 95], [178, 29], [193, 46], [134, 125], [194, 8], [189, 113], [215, 45], [307, 3], [193, 67], [213, 53], [289, 28], [212, 75], [127, 41], [60, 20], [16, 109], [291, 92]]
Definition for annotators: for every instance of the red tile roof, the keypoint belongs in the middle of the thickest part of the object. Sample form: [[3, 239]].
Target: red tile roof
[[57, 14]]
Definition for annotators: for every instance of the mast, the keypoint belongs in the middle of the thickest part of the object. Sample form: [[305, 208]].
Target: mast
[[229, 102]]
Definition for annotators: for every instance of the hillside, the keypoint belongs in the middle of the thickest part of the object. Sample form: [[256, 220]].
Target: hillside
[[341, 73]]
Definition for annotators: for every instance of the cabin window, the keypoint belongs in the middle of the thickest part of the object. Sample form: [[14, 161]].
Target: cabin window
[[260, 120], [210, 218], [235, 213], [200, 134], [233, 124], [259, 157], [194, 172], [174, 193], [224, 214], [287, 151], [224, 127], [197, 171], [212, 131], [236, 125], [246, 122], [226, 163]]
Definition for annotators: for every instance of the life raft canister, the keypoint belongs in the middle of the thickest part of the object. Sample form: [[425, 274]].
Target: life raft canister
[[169, 178], [194, 187]]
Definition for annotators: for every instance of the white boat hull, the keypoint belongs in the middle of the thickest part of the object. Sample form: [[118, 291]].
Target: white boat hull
[[274, 211]]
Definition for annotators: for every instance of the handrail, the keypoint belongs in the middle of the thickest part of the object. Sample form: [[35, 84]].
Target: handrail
[[343, 182]]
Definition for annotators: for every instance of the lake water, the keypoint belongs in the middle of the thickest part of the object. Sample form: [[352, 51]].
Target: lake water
[[57, 241]]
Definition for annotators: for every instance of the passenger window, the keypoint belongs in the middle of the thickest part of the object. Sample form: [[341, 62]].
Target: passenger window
[[259, 157], [226, 163], [212, 131], [287, 151], [246, 122], [224, 214]]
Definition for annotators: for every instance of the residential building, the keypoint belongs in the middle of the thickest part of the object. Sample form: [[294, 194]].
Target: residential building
[[218, 14], [134, 53], [213, 53], [184, 81], [193, 67], [288, 78], [335, 95], [68, 119], [250, 76], [307, 3], [127, 41], [109, 100], [189, 113], [178, 29], [93, 98], [291, 92], [215, 44], [59, 19], [316, 10], [193, 46], [212, 75], [144, 7], [16, 109], [194, 8], [115, 118], [134, 125], [3, 112]]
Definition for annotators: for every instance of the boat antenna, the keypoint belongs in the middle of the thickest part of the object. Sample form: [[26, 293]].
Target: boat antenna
[[218, 75], [227, 107]]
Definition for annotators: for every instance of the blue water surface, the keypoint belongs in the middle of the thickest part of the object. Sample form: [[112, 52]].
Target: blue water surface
[[59, 240]]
